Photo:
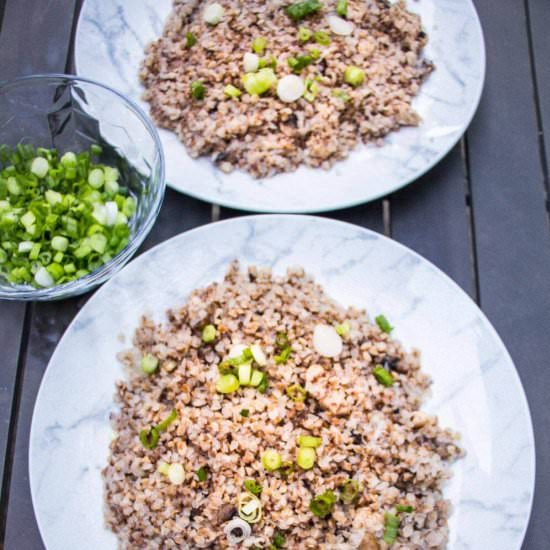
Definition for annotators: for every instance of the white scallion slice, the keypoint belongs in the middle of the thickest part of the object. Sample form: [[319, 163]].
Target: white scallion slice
[[176, 473], [213, 13], [327, 341], [251, 62], [290, 88], [237, 530], [259, 355], [340, 26], [111, 210], [236, 350], [43, 278]]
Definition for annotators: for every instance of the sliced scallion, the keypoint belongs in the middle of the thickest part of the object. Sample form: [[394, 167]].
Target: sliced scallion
[[383, 376], [271, 460], [391, 528], [322, 505], [383, 324]]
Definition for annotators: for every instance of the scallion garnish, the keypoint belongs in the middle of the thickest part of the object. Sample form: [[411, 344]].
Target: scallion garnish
[[245, 413], [300, 10], [283, 346], [264, 383], [391, 527], [349, 491], [342, 8], [383, 376], [232, 91], [249, 508], [296, 393], [383, 324], [404, 509], [259, 83], [305, 458], [343, 328], [304, 34], [341, 94], [271, 460], [259, 44], [149, 438], [322, 38], [322, 505], [209, 334], [149, 363], [60, 218], [253, 487], [227, 383], [354, 76], [299, 63], [198, 91], [202, 473], [278, 540], [309, 441], [190, 39]]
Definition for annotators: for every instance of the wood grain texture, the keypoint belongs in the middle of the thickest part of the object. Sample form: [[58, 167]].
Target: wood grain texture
[[431, 217], [512, 234]]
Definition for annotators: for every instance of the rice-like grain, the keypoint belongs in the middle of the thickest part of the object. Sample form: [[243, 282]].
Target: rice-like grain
[[262, 134], [374, 434]]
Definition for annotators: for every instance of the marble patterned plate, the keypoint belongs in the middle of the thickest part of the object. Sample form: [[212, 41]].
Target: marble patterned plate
[[110, 40], [476, 387]]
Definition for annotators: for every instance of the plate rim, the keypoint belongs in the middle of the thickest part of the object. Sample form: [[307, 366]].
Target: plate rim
[[305, 218], [238, 205]]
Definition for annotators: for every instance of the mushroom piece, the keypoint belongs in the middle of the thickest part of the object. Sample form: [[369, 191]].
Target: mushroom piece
[[369, 542]]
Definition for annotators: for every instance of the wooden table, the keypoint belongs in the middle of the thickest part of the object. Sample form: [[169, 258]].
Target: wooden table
[[482, 216]]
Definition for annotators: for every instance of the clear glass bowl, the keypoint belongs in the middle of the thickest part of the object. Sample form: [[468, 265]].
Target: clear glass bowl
[[70, 114]]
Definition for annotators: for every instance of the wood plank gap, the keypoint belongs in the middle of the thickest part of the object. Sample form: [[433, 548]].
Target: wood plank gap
[[386, 216], [540, 127], [469, 204], [216, 213], [14, 416]]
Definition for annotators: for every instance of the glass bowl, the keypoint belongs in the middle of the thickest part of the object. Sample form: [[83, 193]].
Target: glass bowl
[[71, 114]]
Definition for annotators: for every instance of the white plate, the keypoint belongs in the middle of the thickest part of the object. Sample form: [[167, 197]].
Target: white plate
[[476, 388], [112, 35]]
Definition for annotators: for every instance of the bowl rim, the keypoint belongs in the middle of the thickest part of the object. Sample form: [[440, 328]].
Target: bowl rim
[[107, 270]]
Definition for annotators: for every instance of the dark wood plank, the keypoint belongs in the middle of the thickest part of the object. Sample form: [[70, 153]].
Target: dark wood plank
[[20, 21], [48, 324], [539, 23], [431, 217], [512, 234]]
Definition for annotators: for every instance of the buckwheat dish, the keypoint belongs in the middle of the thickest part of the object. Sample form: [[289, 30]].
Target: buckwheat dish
[[262, 414], [267, 85]]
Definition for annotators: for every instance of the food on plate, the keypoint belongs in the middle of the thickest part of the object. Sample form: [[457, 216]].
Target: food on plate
[[61, 216], [269, 416], [265, 86]]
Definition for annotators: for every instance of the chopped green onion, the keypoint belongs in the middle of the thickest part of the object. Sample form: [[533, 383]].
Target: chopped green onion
[[391, 527], [176, 473], [163, 468], [209, 334], [341, 94], [304, 34], [299, 63], [149, 438], [278, 540], [232, 91], [305, 458], [40, 167], [227, 383], [322, 505], [202, 473], [342, 8], [271, 460], [245, 413], [259, 83], [300, 10], [96, 178], [190, 39], [256, 378], [404, 509], [259, 44], [296, 393], [245, 357], [283, 346], [149, 363], [249, 508], [312, 89], [343, 329], [287, 468], [354, 76], [262, 386], [315, 53], [253, 487], [163, 426], [322, 38], [283, 357], [198, 91], [309, 441], [383, 324], [268, 62], [245, 373], [349, 491], [68, 159], [383, 376]]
